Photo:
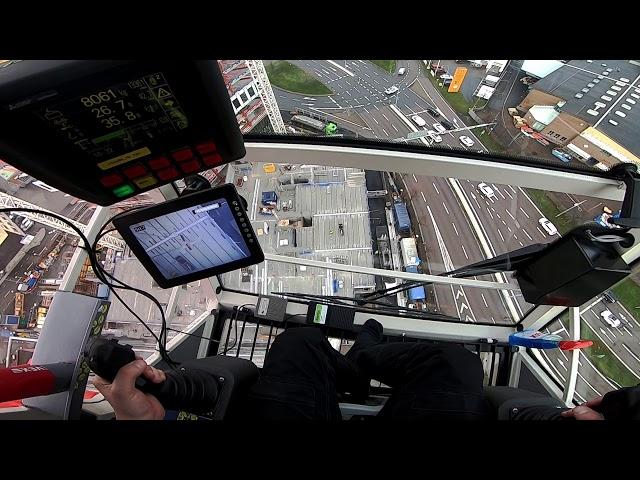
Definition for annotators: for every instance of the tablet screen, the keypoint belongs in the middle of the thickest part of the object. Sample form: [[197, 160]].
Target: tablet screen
[[193, 239]]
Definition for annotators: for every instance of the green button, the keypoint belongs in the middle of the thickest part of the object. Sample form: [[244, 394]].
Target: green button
[[123, 190]]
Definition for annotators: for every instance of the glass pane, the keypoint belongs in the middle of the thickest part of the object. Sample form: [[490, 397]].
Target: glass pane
[[396, 221], [33, 255], [570, 113]]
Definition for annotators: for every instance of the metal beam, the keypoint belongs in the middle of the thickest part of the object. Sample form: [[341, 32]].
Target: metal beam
[[436, 165], [419, 277], [7, 201], [574, 331], [259, 75]]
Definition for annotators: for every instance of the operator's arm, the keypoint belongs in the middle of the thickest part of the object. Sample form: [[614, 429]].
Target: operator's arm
[[127, 401]]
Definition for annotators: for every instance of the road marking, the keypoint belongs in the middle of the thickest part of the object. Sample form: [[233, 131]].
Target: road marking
[[507, 192], [348, 72], [525, 213], [605, 334], [365, 109], [493, 319], [498, 215], [490, 214], [509, 213], [541, 232], [465, 252], [503, 222], [377, 122], [512, 189], [434, 186], [485, 301], [498, 190], [627, 330], [630, 352], [500, 233], [385, 117], [445, 208], [414, 178], [385, 132], [521, 244], [423, 197], [456, 230], [508, 228], [394, 127], [562, 364], [528, 236]]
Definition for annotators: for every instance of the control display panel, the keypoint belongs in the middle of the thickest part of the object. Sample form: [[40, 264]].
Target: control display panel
[[104, 131], [193, 237], [118, 121]]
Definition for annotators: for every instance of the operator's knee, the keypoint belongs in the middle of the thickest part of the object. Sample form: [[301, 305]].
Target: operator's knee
[[449, 364], [300, 343], [293, 337]]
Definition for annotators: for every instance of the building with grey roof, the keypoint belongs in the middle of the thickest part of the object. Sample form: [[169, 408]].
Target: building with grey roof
[[589, 94]]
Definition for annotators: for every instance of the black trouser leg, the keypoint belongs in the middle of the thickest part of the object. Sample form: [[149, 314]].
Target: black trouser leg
[[298, 380], [442, 381]]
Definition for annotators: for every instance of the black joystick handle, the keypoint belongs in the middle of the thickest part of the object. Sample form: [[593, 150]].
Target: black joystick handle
[[194, 390]]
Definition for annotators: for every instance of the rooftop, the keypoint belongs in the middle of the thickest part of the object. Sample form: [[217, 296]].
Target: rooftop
[[604, 93]]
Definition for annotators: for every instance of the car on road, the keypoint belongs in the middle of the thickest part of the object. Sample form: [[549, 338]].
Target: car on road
[[433, 112], [436, 138], [402, 71], [439, 128], [418, 120], [608, 296], [447, 125], [486, 190], [610, 319], [466, 141], [564, 157], [391, 90], [548, 227]]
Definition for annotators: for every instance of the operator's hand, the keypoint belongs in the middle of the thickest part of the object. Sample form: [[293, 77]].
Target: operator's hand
[[584, 411], [127, 401]]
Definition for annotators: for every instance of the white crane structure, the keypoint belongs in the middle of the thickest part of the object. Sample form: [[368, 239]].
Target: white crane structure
[[259, 75], [7, 201]]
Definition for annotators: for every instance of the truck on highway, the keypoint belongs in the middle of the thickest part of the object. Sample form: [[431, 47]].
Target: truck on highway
[[409, 252], [417, 298], [328, 128], [401, 217], [417, 295]]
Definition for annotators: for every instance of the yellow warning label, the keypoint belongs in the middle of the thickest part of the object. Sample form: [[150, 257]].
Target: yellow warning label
[[127, 157]]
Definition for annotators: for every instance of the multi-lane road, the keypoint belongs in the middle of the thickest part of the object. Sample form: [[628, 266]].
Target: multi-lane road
[[442, 208]]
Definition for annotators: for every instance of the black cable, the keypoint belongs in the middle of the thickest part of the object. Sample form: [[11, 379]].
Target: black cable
[[193, 335], [235, 320], [162, 338], [102, 274], [385, 308]]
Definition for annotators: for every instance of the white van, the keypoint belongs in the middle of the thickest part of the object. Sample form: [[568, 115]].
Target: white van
[[402, 71]]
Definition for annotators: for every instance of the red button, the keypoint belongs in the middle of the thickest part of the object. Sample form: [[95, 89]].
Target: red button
[[206, 147], [189, 167], [111, 180], [160, 162], [212, 160], [135, 171], [182, 155], [167, 174]]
